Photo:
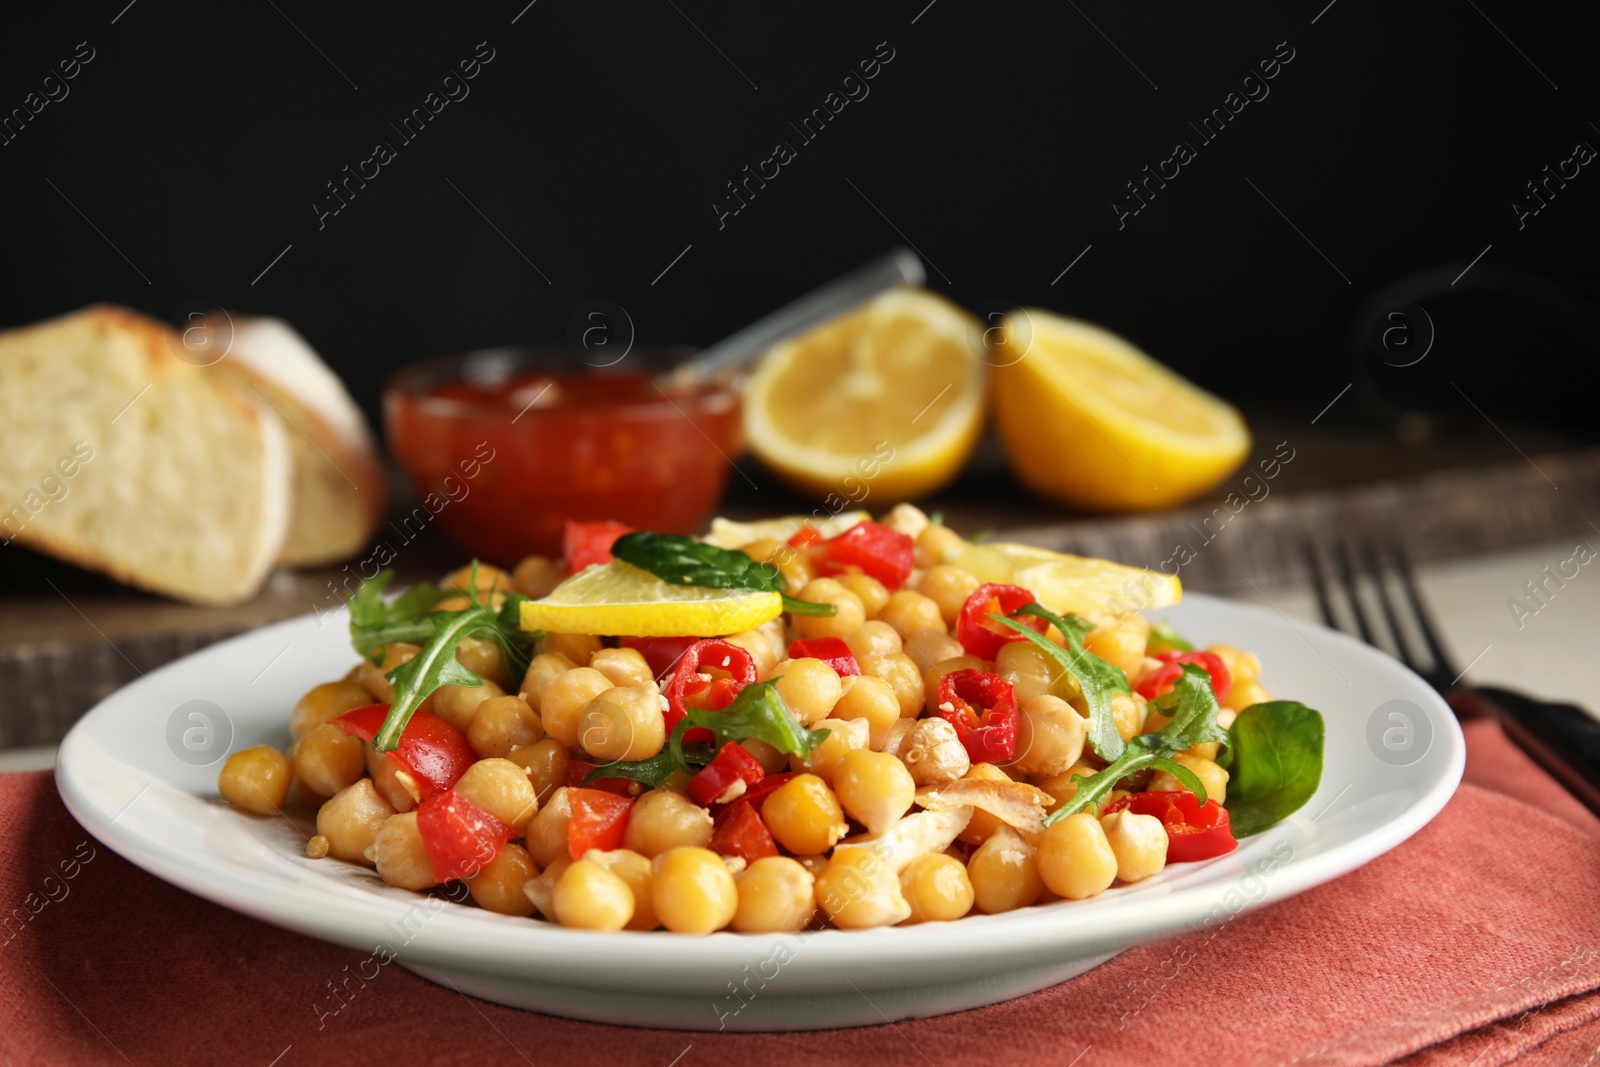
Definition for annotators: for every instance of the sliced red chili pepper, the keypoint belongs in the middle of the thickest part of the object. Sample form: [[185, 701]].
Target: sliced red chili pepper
[[980, 635], [660, 653], [727, 777], [1194, 831], [578, 770], [983, 709], [879, 551], [804, 537], [743, 834], [434, 753], [461, 838], [584, 543], [757, 794], [694, 686], [599, 820], [1159, 683], [831, 650]]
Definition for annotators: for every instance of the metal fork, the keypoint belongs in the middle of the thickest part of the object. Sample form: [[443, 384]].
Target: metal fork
[[1563, 739]]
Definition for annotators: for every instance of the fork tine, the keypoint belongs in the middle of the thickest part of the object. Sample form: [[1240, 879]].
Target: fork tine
[[1314, 565], [1442, 662], [1347, 573], [1402, 646]]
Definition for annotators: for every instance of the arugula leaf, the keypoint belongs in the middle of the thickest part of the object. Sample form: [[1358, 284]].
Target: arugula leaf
[[685, 561], [1100, 681], [1163, 638], [375, 623], [759, 712], [1194, 719], [655, 771], [1275, 751], [433, 666]]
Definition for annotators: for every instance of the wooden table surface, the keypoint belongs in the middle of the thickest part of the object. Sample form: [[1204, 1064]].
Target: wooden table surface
[[68, 638]]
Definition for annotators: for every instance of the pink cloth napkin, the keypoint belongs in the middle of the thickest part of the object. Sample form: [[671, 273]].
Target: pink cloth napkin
[[1477, 942]]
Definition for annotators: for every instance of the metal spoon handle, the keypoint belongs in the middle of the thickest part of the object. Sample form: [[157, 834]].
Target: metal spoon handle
[[899, 267]]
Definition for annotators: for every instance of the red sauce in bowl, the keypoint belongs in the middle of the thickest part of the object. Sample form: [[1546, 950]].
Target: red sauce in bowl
[[506, 445]]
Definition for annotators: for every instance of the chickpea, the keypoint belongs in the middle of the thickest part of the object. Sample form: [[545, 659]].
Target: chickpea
[[1050, 736], [392, 783], [872, 699], [502, 789], [873, 593], [907, 519], [1128, 714], [255, 780], [490, 579], [875, 638], [1004, 872], [1138, 841], [623, 666], [933, 752], [909, 612], [809, 687], [859, 890], [927, 647], [1120, 641], [547, 833], [772, 760], [350, 821], [1242, 666], [328, 759], [804, 815], [1212, 776], [501, 724], [1075, 859], [484, 658], [849, 612], [1243, 694], [1032, 672], [937, 888], [541, 889], [566, 698], [537, 577], [776, 895], [983, 825], [842, 737], [935, 545], [636, 871], [935, 674], [1061, 787], [895, 740], [544, 669], [949, 587], [498, 884], [692, 891], [400, 855], [624, 723], [663, 820], [316, 847], [792, 563], [874, 787], [589, 897], [900, 671], [576, 647], [761, 651], [324, 703], [457, 704], [372, 675], [546, 764]]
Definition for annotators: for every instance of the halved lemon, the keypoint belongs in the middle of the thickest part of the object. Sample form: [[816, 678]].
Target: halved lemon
[[1070, 585], [617, 599], [888, 399], [725, 533], [1090, 420]]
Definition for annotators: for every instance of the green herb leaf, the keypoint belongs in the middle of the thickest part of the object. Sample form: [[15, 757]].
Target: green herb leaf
[[1163, 638], [655, 771], [1276, 756], [806, 607], [759, 712], [936, 519], [1100, 681], [978, 537], [375, 623], [685, 561], [435, 665]]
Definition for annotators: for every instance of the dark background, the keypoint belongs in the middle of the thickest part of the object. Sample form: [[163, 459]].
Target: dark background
[[594, 144]]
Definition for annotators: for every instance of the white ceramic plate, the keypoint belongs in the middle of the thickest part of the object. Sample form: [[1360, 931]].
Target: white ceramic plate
[[121, 775]]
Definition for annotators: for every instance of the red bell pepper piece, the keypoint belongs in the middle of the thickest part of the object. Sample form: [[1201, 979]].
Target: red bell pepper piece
[[578, 770], [743, 834], [694, 686], [599, 819], [434, 753], [805, 537], [461, 838], [883, 553], [1159, 683], [980, 635], [660, 653], [584, 543], [727, 777], [1194, 831], [831, 650], [983, 709]]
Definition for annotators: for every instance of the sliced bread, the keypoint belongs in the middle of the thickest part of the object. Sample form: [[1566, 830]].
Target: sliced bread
[[121, 457]]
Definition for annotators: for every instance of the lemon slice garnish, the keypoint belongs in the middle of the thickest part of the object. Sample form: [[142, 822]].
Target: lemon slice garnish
[[617, 598], [1070, 585]]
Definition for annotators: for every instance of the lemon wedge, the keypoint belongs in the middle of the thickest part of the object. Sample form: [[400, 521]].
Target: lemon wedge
[[617, 599], [1070, 585], [888, 398], [725, 533], [1090, 420]]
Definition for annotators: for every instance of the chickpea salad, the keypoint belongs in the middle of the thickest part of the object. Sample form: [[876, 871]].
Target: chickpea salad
[[786, 724]]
